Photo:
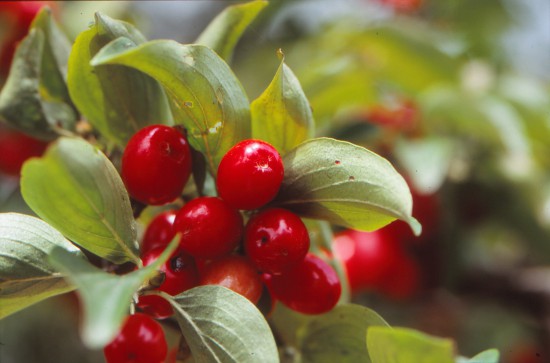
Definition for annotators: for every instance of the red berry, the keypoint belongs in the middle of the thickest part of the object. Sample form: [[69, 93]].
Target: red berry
[[368, 257], [405, 6], [180, 274], [402, 117], [209, 227], [155, 306], [311, 287], [156, 164], [427, 210], [17, 16], [16, 148], [403, 281], [141, 340], [250, 174], [236, 273], [276, 240], [159, 232]]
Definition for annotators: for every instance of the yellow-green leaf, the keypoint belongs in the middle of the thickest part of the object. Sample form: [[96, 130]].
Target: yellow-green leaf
[[223, 33], [396, 345], [118, 101], [282, 114]]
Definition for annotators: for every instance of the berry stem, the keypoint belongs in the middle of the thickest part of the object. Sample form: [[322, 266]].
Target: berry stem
[[325, 238]]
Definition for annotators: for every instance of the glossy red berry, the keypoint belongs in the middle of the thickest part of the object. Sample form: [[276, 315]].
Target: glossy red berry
[[16, 148], [276, 240], [209, 227], [368, 257], [311, 287], [180, 274], [250, 174], [141, 340], [159, 232], [236, 273], [156, 164]]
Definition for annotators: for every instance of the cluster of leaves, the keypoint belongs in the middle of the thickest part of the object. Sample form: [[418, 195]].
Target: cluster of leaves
[[120, 82]]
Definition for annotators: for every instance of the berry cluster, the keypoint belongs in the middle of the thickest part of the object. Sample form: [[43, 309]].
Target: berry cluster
[[267, 253]]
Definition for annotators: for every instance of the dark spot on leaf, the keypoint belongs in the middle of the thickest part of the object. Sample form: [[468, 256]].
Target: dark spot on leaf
[[351, 178]]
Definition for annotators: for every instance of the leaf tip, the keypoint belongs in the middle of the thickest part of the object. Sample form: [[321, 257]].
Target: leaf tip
[[415, 226], [280, 54]]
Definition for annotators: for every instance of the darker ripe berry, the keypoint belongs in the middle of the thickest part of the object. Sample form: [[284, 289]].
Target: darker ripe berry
[[180, 274], [156, 164], [404, 280], [368, 257], [250, 174], [16, 148], [311, 287], [159, 232], [141, 340], [209, 227], [276, 240], [237, 273]]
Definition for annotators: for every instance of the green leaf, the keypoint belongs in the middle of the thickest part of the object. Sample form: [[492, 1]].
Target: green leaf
[[462, 115], [35, 98], [53, 73], [427, 161], [336, 85], [75, 188], [118, 101], [206, 96], [396, 345], [25, 275], [339, 336], [288, 324], [223, 33], [223, 326], [106, 297], [487, 356], [409, 50], [344, 184], [282, 114]]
